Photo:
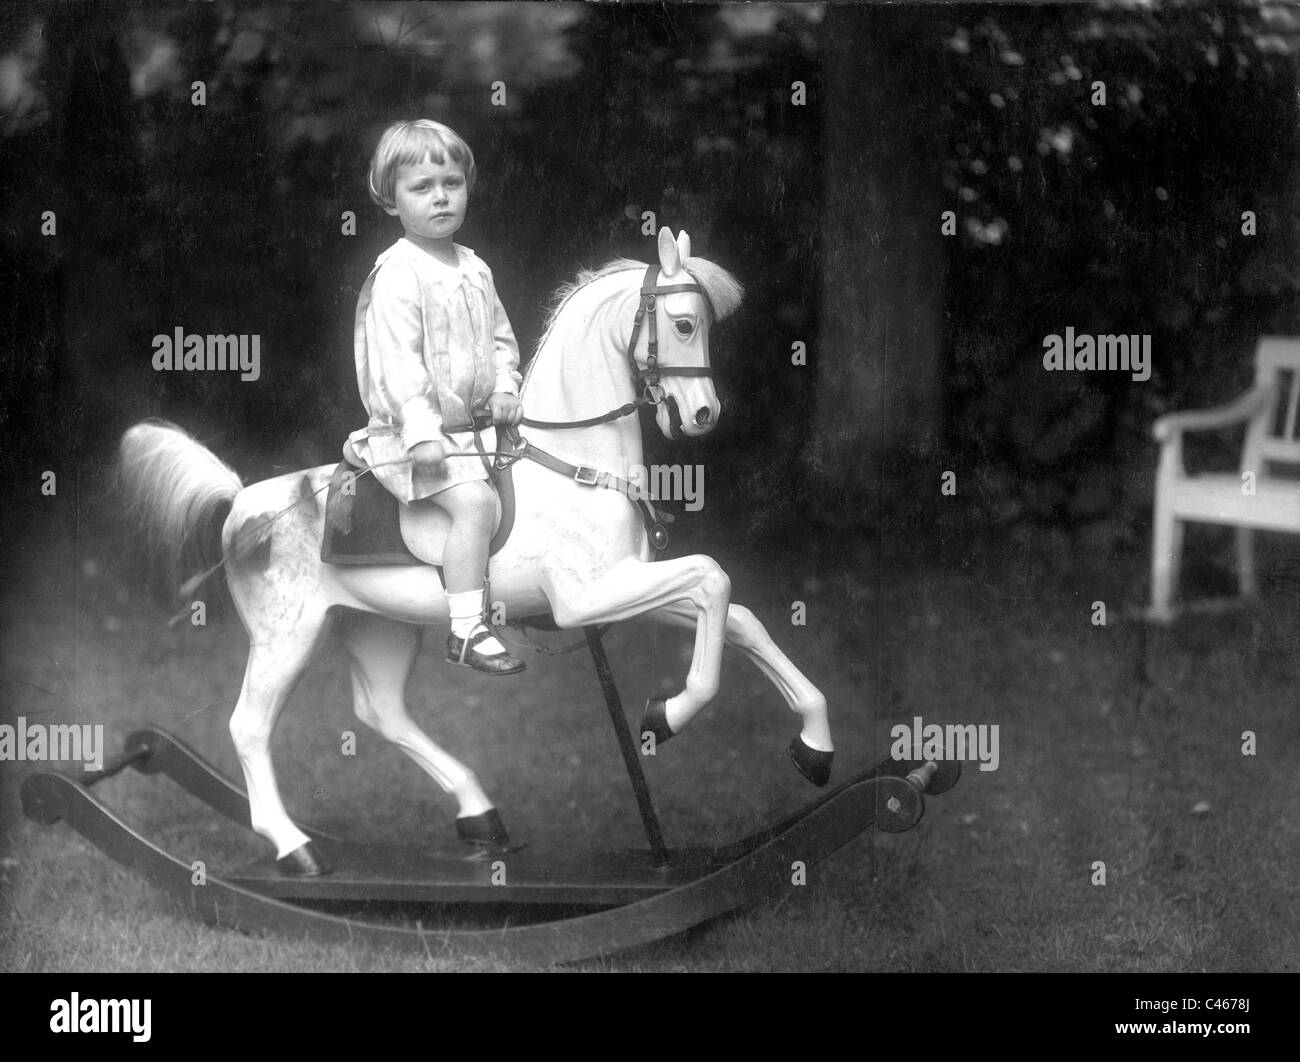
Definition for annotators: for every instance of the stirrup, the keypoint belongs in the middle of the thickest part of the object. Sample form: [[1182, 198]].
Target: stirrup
[[462, 651]]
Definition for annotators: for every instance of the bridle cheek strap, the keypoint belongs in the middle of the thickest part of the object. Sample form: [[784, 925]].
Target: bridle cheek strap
[[648, 377]]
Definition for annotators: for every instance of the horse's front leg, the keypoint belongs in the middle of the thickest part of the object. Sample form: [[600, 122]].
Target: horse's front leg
[[745, 632], [632, 587]]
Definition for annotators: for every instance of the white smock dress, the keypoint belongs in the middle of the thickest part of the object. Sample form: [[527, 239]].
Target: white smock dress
[[432, 343]]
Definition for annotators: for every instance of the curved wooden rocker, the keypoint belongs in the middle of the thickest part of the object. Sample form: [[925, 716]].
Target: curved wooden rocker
[[645, 895]]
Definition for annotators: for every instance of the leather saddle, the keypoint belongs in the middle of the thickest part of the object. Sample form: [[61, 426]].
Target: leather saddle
[[366, 525]]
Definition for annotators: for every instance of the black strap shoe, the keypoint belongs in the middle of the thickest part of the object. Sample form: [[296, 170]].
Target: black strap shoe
[[462, 651]]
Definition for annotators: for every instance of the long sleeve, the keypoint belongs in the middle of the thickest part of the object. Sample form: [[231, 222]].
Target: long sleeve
[[395, 338], [505, 349]]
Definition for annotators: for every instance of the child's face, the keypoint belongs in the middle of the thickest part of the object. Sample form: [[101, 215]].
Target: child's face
[[431, 199]]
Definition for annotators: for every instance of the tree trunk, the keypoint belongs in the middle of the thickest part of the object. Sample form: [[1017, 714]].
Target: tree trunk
[[879, 356]]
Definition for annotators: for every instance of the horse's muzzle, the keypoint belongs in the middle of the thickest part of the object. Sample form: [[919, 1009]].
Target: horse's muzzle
[[701, 421]]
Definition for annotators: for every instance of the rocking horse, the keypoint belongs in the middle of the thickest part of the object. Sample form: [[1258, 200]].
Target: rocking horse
[[622, 338]]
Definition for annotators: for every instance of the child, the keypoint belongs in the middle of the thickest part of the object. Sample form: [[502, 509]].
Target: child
[[433, 344]]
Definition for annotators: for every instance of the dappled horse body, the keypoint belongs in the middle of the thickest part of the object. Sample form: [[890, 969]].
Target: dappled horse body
[[578, 552]]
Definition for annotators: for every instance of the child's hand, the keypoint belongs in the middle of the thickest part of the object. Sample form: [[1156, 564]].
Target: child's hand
[[428, 457], [505, 408]]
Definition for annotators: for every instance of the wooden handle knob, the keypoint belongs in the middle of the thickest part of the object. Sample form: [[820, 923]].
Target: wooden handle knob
[[920, 777]]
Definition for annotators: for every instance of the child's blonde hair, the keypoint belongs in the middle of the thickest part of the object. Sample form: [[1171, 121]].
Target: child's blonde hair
[[406, 143]]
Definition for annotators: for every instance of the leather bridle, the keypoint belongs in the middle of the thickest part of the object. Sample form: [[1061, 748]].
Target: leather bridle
[[649, 376], [647, 379]]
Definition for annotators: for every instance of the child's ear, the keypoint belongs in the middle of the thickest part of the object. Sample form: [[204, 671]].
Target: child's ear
[[391, 211]]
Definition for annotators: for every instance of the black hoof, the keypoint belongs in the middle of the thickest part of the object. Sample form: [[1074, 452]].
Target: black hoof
[[655, 720], [302, 862], [812, 763], [486, 828]]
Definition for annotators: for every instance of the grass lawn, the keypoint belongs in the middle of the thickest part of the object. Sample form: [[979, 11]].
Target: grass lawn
[[1201, 844]]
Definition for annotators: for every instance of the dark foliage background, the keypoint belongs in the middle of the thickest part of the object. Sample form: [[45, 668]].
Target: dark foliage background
[[1117, 218], [1125, 218]]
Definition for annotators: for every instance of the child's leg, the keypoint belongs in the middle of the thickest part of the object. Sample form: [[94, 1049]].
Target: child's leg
[[472, 507]]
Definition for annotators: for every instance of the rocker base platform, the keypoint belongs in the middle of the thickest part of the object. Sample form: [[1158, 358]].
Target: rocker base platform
[[406, 874], [633, 897]]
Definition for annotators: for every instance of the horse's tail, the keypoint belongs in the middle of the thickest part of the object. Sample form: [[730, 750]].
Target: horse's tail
[[177, 495]]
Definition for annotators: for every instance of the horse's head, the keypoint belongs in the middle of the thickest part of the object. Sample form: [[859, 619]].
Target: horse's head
[[669, 347], [651, 327]]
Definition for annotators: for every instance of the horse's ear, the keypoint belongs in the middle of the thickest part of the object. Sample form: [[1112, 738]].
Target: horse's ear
[[683, 245], [669, 259]]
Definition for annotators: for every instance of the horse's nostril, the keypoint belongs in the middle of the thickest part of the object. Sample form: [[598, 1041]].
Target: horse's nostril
[[703, 416]]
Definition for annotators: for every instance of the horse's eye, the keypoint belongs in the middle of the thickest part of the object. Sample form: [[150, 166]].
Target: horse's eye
[[685, 328]]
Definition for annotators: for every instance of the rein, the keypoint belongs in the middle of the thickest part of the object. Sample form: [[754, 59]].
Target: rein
[[614, 414]]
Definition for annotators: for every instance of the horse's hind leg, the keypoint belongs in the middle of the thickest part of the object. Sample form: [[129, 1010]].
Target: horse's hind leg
[[274, 667], [744, 631], [383, 652]]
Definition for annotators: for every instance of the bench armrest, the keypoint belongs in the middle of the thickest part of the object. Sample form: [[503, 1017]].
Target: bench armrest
[[1245, 408]]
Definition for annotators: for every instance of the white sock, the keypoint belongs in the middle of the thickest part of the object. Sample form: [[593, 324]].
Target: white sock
[[466, 611]]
